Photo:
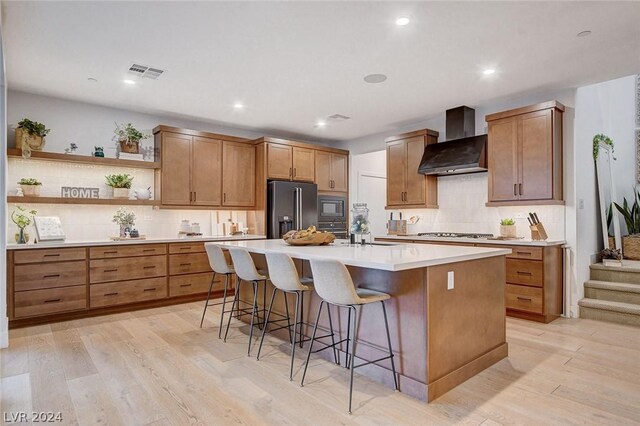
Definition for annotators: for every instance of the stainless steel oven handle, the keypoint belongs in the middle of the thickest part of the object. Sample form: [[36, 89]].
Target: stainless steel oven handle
[[298, 207]]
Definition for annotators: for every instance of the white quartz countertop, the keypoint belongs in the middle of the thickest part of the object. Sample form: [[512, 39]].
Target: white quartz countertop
[[108, 242], [520, 242], [388, 257]]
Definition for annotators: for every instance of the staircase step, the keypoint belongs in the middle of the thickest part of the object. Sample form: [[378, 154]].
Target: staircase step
[[612, 291], [628, 273], [605, 310]]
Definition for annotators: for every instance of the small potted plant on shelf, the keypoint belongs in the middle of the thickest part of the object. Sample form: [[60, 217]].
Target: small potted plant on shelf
[[30, 135], [129, 138], [631, 215], [98, 151], [22, 218], [126, 219], [121, 184], [30, 187], [508, 228]]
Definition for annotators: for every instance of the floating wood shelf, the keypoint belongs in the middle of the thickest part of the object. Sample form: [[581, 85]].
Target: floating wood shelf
[[95, 201], [85, 159]]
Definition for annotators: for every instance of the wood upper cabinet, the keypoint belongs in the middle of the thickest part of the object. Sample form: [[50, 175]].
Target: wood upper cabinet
[[239, 178], [287, 162], [206, 171], [331, 171], [525, 155], [406, 188]]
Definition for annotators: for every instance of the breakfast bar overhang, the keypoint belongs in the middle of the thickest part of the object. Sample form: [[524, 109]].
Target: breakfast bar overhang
[[446, 313]]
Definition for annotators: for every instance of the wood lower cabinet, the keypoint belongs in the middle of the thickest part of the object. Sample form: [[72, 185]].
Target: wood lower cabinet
[[239, 179], [49, 301], [123, 292], [126, 268], [332, 171], [524, 155], [406, 188], [286, 162]]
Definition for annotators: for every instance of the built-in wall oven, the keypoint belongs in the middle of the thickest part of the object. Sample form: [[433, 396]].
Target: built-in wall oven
[[332, 215]]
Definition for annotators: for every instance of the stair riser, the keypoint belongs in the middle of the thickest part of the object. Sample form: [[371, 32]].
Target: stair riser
[[602, 315], [612, 295], [615, 276]]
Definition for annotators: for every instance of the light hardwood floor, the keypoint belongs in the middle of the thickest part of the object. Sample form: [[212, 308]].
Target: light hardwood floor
[[157, 367]]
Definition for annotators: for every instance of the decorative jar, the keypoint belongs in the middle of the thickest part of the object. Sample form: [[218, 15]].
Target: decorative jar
[[360, 219]]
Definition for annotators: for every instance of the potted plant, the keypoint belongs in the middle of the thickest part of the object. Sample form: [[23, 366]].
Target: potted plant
[[30, 187], [129, 138], [30, 135], [98, 151], [121, 184], [23, 218], [508, 228], [126, 219], [631, 214]]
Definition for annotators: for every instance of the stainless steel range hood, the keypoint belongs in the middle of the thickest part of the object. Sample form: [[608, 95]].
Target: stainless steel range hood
[[462, 153]]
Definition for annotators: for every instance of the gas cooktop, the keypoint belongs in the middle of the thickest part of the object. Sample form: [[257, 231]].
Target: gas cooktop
[[454, 235]]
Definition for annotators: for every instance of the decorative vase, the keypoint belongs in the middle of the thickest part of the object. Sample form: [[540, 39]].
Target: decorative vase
[[131, 147], [508, 231], [33, 142], [120, 192], [360, 219], [22, 237], [31, 190], [124, 230]]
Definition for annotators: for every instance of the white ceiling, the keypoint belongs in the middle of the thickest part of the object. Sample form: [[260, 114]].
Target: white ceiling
[[293, 63]]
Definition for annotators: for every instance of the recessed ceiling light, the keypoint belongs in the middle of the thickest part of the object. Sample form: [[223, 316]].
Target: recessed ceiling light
[[130, 82], [92, 80], [402, 21], [489, 71], [238, 105], [321, 123], [375, 78], [584, 33]]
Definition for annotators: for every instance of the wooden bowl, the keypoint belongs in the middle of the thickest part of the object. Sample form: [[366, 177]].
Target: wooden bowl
[[317, 239]]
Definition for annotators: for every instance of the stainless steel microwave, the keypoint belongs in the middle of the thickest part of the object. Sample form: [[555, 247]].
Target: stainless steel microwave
[[332, 208]]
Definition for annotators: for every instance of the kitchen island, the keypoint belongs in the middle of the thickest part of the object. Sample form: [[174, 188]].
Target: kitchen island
[[446, 313]]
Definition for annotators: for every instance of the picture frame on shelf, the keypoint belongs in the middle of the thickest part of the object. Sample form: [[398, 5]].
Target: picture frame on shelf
[[49, 228]]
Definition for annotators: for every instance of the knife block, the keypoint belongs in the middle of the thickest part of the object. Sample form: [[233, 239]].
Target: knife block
[[538, 233], [397, 227]]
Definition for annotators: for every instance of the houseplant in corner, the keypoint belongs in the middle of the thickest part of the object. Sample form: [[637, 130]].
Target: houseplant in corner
[[30, 136], [126, 219], [631, 215], [508, 228], [22, 218], [121, 184], [30, 187], [129, 138]]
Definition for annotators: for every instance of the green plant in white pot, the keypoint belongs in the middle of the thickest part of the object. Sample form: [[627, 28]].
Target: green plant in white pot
[[121, 184], [30, 187], [508, 228]]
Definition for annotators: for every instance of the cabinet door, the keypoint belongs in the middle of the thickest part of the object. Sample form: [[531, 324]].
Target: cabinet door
[[503, 159], [396, 172], [535, 150], [303, 164], [239, 174], [415, 187], [323, 170], [176, 169], [206, 172], [279, 161], [339, 172]]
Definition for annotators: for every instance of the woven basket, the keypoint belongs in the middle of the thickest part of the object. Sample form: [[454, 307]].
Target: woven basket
[[631, 247], [131, 148], [36, 143]]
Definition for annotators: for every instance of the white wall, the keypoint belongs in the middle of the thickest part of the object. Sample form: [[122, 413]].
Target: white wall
[[4, 332], [607, 108]]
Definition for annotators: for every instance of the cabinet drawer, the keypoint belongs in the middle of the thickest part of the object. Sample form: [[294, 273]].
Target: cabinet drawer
[[523, 298], [49, 255], [192, 284], [104, 270], [50, 275], [50, 301], [127, 251], [528, 272], [519, 252], [122, 292], [178, 248], [188, 263]]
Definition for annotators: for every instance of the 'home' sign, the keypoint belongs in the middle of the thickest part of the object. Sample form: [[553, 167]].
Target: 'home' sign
[[79, 192]]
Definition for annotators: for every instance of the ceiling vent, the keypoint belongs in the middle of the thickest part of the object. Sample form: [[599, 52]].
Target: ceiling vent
[[338, 117], [144, 71]]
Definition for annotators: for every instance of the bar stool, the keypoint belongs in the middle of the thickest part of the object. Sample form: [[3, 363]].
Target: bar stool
[[246, 272], [284, 277], [334, 285], [219, 265]]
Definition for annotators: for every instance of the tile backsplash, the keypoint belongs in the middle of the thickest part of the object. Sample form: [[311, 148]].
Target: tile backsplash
[[461, 201]]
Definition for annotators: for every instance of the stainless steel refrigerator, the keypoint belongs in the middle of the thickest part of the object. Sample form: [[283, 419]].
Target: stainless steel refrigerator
[[290, 205]]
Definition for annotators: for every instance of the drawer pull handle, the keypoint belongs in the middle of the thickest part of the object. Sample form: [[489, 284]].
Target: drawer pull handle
[[524, 253], [111, 294], [111, 270], [185, 248], [51, 276], [524, 273], [111, 252], [525, 299], [52, 255], [185, 264], [185, 285], [147, 250], [150, 289], [53, 301], [149, 267]]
